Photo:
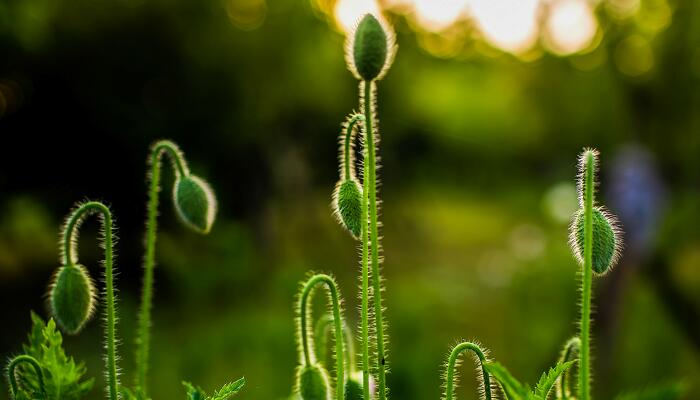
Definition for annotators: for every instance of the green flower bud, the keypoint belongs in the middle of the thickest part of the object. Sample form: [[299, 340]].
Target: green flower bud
[[371, 49], [195, 203], [72, 298], [606, 241], [353, 388], [313, 383], [347, 201]]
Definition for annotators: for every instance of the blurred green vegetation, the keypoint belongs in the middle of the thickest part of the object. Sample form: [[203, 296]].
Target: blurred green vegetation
[[478, 152]]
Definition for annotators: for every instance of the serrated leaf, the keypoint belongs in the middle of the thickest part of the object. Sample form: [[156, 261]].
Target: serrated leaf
[[548, 379], [194, 392], [228, 390], [669, 391], [63, 377], [512, 387]]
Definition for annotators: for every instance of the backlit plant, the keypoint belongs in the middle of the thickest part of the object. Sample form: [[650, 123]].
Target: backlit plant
[[44, 371], [595, 240]]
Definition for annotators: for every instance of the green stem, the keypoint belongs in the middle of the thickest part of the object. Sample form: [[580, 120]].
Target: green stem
[[70, 239], [371, 188], [452, 363], [321, 331], [143, 340], [13, 378], [347, 145], [365, 280], [337, 322], [587, 281], [571, 350]]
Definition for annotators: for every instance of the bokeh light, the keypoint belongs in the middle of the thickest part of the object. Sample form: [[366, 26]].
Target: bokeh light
[[510, 25], [570, 27]]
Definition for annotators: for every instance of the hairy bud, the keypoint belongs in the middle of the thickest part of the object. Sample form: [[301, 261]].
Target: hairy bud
[[606, 241], [371, 49], [348, 206], [313, 383], [195, 203], [72, 297]]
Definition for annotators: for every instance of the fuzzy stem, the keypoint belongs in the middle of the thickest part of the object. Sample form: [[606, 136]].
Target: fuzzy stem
[[143, 340], [337, 322], [365, 278], [371, 187], [452, 363], [13, 379], [321, 331], [571, 348], [347, 147], [587, 281], [70, 237]]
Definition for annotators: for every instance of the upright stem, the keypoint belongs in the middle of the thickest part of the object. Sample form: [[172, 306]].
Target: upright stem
[[13, 379], [452, 364], [70, 237], [371, 188], [365, 270], [587, 281], [143, 340], [337, 322]]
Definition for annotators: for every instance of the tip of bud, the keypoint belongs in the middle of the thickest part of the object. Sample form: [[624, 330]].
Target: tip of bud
[[606, 239], [72, 298], [370, 49], [347, 204], [313, 383], [195, 203]]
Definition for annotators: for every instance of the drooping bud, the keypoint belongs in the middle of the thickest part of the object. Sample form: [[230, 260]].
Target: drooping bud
[[371, 49], [195, 203], [72, 297], [606, 240], [353, 387], [313, 383], [347, 201]]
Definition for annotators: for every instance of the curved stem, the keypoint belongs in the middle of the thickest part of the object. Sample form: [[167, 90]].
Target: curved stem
[[143, 335], [321, 331], [70, 237], [347, 144], [13, 379], [452, 365], [337, 322], [371, 187], [587, 281], [571, 350]]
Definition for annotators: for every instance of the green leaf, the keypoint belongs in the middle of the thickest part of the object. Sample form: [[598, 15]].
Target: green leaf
[[63, 377], [547, 380], [668, 391], [194, 392], [228, 390], [512, 387]]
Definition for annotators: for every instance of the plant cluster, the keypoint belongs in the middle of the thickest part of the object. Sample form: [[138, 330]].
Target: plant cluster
[[595, 241], [43, 371]]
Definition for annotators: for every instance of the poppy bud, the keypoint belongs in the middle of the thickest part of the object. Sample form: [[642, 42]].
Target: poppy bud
[[606, 241], [195, 203], [348, 206], [72, 297], [313, 383], [371, 47]]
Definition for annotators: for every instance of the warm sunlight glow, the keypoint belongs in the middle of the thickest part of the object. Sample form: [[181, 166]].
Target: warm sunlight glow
[[570, 27], [438, 15], [510, 25], [348, 12]]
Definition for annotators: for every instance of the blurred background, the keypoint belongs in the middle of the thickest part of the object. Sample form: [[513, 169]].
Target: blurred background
[[483, 114]]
